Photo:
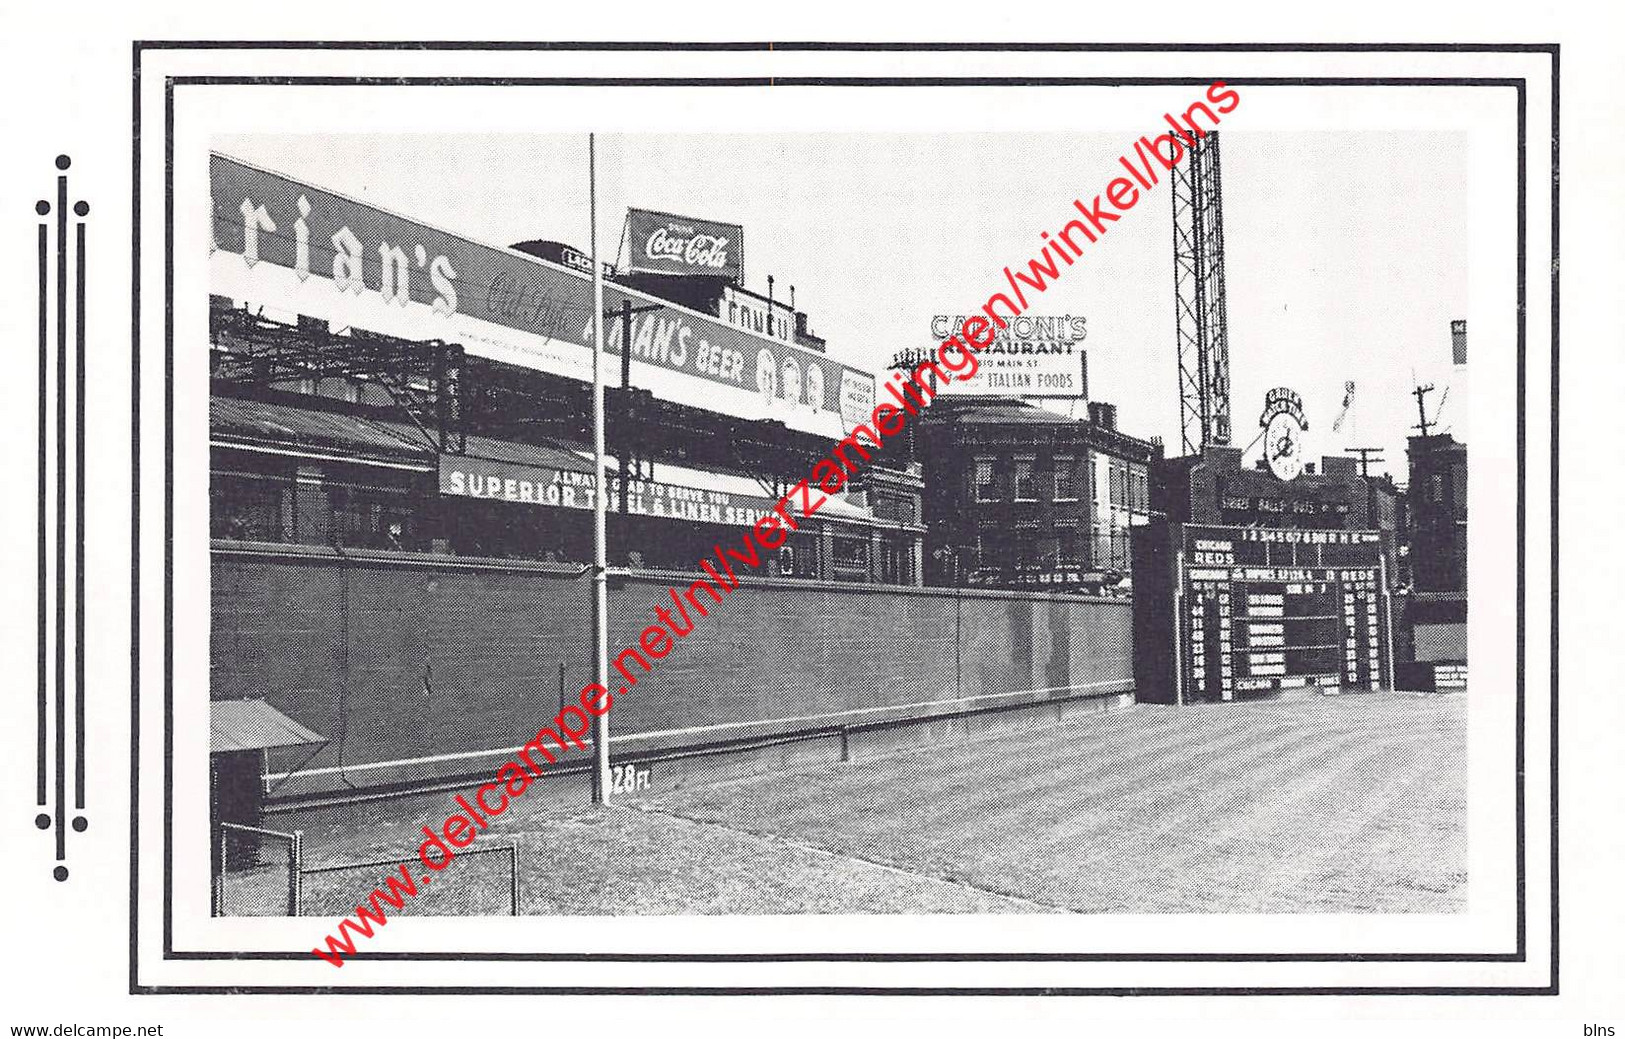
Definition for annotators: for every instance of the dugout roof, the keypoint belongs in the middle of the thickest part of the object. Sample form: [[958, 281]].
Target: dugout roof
[[236, 725]]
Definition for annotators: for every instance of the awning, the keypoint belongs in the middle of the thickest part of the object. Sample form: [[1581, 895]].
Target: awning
[[236, 725], [537, 456], [253, 425]]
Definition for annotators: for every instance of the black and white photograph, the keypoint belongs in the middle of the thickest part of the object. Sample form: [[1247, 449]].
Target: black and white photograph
[[1031, 636], [818, 528]]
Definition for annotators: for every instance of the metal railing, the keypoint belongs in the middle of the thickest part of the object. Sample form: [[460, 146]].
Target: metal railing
[[259, 889], [249, 887]]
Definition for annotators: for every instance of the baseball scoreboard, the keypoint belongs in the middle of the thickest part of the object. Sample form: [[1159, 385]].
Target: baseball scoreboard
[[1224, 613]]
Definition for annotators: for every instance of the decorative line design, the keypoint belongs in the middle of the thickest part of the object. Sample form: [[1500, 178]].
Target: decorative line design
[[52, 760], [43, 208], [80, 822], [62, 163]]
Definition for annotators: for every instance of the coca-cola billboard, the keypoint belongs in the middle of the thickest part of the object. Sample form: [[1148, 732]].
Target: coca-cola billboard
[[664, 243]]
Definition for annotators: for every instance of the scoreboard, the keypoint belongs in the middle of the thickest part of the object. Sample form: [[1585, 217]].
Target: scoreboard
[[1223, 613]]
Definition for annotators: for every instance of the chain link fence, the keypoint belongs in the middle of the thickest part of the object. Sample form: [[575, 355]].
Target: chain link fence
[[478, 882]]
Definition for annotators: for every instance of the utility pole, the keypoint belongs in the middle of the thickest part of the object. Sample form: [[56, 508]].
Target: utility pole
[[626, 312], [626, 407], [1367, 456], [600, 563], [1420, 393]]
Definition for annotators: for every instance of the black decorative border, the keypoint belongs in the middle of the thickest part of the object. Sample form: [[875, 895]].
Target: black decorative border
[[52, 564], [1519, 84]]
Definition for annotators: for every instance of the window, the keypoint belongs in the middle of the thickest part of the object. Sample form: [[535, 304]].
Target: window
[[248, 507], [371, 517], [799, 558], [1026, 547], [1065, 488], [1102, 555], [985, 489], [1438, 487], [1026, 486], [1066, 538], [851, 554], [995, 548], [1118, 496], [896, 559]]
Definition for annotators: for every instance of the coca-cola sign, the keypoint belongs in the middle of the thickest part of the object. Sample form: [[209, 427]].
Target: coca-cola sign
[[664, 243]]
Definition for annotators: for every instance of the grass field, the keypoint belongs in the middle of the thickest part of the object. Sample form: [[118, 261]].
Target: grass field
[[1338, 804]]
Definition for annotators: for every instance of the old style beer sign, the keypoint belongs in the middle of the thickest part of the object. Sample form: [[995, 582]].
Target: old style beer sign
[[298, 248], [664, 243]]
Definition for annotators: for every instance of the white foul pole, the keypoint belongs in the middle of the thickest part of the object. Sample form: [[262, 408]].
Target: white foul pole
[[600, 561]]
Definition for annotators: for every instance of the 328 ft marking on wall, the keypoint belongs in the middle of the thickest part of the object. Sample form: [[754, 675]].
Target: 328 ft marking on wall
[[624, 779]]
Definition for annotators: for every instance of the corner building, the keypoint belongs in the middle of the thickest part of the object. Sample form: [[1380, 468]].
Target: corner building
[[1018, 496]]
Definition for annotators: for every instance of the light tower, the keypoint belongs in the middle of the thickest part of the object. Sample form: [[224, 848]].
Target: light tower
[[1199, 311]]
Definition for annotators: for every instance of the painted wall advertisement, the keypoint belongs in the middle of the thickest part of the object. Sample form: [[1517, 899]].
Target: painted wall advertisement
[[1034, 355], [283, 244]]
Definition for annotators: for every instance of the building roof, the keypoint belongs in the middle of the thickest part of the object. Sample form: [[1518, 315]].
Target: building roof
[[995, 411], [253, 725], [235, 421], [1011, 412], [540, 456]]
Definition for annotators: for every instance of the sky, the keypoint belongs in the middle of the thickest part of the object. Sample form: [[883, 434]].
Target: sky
[[1346, 253]]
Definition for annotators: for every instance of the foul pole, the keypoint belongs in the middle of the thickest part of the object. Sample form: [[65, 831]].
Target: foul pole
[[600, 554]]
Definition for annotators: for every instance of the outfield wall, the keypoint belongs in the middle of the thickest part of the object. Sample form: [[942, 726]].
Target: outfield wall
[[421, 668]]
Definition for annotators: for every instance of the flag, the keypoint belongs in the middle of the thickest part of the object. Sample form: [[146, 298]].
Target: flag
[[1348, 402]]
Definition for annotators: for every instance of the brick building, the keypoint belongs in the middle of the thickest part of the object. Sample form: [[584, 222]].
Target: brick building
[[1434, 614], [1438, 513], [1020, 496]]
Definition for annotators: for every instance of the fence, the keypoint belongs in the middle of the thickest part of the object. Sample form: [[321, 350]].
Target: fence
[[332, 892], [249, 882], [417, 668]]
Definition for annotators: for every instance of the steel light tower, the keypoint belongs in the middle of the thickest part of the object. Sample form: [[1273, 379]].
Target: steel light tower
[[1199, 309]]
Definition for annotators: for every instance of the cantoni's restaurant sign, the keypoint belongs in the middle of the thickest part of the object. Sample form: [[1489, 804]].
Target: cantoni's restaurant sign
[[665, 243], [1034, 355], [289, 245]]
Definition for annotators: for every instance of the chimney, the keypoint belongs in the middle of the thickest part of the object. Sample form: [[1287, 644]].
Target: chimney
[[1103, 414]]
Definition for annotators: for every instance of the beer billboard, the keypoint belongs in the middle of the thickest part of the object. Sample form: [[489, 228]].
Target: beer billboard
[[301, 248]]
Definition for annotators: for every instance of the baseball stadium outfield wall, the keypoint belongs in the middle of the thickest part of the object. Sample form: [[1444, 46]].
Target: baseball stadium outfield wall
[[421, 669]]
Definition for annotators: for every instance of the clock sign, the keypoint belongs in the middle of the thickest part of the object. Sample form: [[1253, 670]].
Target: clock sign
[[1284, 427]]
